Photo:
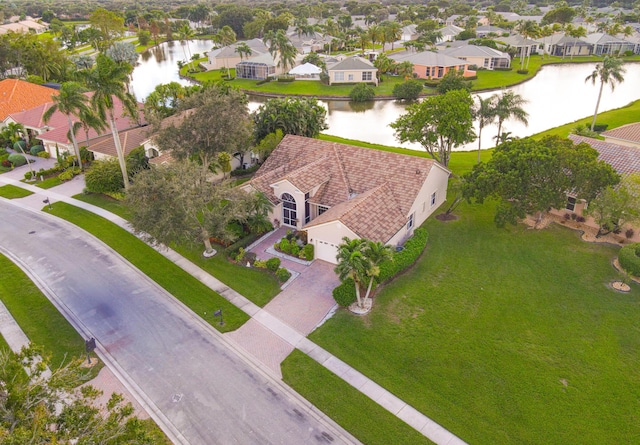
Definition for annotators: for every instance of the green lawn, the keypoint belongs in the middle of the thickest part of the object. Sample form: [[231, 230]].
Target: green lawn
[[13, 192], [106, 202], [503, 336], [37, 316], [49, 183], [198, 297], [347, 406]]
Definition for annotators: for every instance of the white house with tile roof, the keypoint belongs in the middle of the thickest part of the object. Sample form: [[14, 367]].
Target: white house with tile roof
[[352, 69], [335, 190], [480, 56]]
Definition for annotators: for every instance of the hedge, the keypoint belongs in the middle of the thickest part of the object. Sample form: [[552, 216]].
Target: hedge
[[17, 159], [273, 264], [233, 249], [629, 258], [406, 257], [36, 149], [282, 274]]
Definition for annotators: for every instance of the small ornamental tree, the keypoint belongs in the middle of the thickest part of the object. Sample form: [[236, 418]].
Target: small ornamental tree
[[362, 93], [409, 90], [293, 115]]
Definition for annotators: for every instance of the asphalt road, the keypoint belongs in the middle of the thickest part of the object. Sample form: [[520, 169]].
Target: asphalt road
[[185, 370]]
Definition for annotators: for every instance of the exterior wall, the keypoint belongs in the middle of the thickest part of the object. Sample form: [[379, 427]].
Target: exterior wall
[[223, 62], [573, 50], [624, 142], [436, 182], [421, 70], [50, 147], [283, 187], [354, 76], [331, 232]]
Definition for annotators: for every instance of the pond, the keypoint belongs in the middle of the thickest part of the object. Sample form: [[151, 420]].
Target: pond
[[557, 95]]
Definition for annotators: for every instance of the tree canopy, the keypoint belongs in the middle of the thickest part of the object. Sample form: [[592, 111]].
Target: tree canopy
[[292, 115], [438, 123], [528, 176], [210, 121]]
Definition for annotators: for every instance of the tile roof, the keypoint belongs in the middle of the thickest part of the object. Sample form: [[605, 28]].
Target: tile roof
[[623, 159], [370, 191], [17, 95], [629, 132], [129, 139]]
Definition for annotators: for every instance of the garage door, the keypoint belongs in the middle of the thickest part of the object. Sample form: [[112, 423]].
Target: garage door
[[326, 251]]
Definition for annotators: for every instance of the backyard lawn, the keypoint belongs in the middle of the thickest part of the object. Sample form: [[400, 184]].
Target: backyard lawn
[[502, 336]]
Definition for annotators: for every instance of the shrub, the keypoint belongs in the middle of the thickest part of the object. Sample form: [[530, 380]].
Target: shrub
[[285, 245], [600, 127], [580, 219], [406, 257], [104, 176], [431, 83], [262, 82], [286, 78], [250, 257], [295, 249], [362, 93], [19, 145], [283, 274], [6, 163], [240, 255], [345, 293], [409, 90], [307, 250], [629, 233], [17, 159], [36, 149], [629, 258], [273, 264], [245, 171], [44, 155], [523, 71], [260, 264], [66, 175], [567, 216]]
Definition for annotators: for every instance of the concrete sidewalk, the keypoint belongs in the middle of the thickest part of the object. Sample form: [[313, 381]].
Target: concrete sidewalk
[[265, 322]]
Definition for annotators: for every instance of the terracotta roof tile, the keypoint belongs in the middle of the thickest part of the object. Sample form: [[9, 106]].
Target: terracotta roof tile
[[629, 132], [129, 140], [18, 95], [622, 158]]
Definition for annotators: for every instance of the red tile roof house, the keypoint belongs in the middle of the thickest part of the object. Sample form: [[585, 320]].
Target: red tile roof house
[[17, 95], [334, 190], [54, 134], [432, 65], [628, 135]]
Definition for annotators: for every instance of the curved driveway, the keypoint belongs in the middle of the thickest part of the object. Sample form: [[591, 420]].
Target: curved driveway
[[199, 389]]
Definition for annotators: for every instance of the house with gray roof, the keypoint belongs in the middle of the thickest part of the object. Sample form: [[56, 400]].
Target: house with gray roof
[[352, 69], [521, 44], [229, 57], [333, 190], [433, 65], [259, 67], [484, 31], [604, 44], [570, 46], [480, 56], [449, 33]]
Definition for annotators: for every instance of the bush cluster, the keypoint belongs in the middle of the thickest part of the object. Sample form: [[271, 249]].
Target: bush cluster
[[362, 93], [409, 90], [523, 71], [233, 249], [273, 264], [17, 159], [629, 258], [36, 149], [406, 257], [245, 171], [283, 274], [345, 293]]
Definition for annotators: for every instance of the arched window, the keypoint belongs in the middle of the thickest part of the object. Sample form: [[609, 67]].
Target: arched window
[[289, 213]]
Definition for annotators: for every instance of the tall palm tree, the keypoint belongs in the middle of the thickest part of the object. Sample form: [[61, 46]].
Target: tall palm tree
[[352, 263], [71, 101], [225, 36], [393, 32], [529, 30], [13, 132], [509, 106], [485, 114], [279, 45], [375, 253], [185, 33], [243, 50], [108, 82], [609, 71]]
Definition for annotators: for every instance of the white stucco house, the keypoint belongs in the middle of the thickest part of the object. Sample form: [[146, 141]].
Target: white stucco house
[[333, 190], [353, 69]]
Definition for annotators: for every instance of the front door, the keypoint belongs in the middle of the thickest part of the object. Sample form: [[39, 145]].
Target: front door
[[289, 213]]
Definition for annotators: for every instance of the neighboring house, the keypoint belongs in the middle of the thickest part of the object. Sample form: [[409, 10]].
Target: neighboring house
[[259, 67], [54, 134], [104, 147], [352, 69], [409, 32], [333, 190], [484, 31], [570, 46], [306, 71], [449, 33], [480, 56], [521, 44], [228, 57], [24, 26], [307, 43], [432, 65], [606, 44], [628, 135], [17, 95]]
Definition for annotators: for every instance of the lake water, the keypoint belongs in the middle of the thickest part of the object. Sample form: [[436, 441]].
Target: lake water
[[557, 95]]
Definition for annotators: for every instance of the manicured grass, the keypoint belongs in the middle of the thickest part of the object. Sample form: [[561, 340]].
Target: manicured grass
[[354, 411], [257, 285], [614, 118], [504, 336], [12, 192], [198, 297], [37, 316], [105, 202], [49, 182]]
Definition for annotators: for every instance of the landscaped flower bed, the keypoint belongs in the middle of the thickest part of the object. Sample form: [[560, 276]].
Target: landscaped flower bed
[[295, 245]]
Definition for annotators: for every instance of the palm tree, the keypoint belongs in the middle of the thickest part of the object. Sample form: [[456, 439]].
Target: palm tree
[[71, 101], [13, 132], [404, 69], [243, 50], [280, 45], [226, 36], [108, 82], [529, 30], [352, 263], [485, 114], [609, 71], [185, 33], [509, 106], [375, 253]]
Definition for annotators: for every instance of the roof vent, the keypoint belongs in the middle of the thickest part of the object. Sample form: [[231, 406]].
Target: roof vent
[[418, 171]]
